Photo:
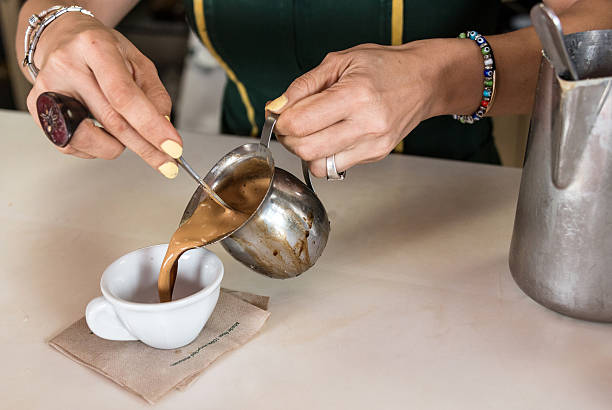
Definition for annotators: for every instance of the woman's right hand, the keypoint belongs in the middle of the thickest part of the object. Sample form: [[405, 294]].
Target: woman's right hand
[[80, 57]]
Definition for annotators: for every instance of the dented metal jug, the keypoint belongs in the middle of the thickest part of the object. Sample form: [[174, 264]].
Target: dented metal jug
[[561, 250], [288, 232]]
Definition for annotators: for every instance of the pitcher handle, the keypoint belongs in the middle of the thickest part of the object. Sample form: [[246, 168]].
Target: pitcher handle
[[266, 136]]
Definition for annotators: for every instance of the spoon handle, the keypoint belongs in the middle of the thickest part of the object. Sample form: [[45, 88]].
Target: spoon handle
[[548, 27], [193, 174]]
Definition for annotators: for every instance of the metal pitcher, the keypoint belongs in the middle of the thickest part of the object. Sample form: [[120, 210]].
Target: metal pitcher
[[288, 232], [561, 250]]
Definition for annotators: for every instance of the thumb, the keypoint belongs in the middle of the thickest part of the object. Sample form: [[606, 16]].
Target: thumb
[[314, 81]]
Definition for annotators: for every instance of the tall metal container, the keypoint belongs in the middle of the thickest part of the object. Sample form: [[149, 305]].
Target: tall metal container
[[561, 250]]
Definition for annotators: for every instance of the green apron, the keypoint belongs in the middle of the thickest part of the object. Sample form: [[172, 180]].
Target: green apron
[[264, 45]]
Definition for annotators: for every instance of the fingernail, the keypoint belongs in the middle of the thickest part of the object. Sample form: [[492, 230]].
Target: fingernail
[[169, 169], [277, 104], [172, 148]]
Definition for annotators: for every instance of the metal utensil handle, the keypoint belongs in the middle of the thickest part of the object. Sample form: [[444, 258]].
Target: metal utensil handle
[[197, 178], [266, 136], [548, 27]]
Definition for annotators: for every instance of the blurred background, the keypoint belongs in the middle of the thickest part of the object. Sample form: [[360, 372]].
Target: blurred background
[[194, 79]]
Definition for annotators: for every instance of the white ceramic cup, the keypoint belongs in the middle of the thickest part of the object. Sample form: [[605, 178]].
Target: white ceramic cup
[[130, 310]]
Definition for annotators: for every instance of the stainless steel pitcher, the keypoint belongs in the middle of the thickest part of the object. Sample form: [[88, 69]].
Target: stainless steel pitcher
[[561, 250], [287, 233]]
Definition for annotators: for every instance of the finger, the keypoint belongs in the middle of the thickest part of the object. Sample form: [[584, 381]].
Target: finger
[[82, 155], [335, 138], [318, 167], [90, 93], [68, 150], [93, 98], [147, 78], [31, 100], [126, 98], [119, 128], [36, 90], [359, 154], [145, 75], [316, 112], [95, 141], [312, 82]]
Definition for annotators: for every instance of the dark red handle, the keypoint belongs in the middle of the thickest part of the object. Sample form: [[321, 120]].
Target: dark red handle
[[60, 116]]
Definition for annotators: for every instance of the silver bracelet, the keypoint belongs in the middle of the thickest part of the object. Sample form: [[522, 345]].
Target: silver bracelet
[[38, 23]]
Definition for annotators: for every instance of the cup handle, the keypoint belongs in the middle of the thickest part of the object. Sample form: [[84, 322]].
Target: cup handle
[[266, 135], [104, 322]]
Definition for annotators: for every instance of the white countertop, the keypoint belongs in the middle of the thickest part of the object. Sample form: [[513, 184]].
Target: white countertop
[[411, 305]]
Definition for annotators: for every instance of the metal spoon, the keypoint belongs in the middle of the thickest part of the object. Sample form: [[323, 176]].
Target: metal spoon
[[185, 165], [548, 27]]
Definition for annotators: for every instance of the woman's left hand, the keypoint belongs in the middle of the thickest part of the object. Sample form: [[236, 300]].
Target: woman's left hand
[[359, 103]]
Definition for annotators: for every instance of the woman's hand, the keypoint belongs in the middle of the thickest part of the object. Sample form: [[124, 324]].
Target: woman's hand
[[80, 57], [358, 104]]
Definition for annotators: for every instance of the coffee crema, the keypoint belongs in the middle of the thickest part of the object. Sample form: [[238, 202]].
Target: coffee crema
[[244, 190]]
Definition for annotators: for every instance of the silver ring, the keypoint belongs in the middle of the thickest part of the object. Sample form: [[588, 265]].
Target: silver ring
[[332, 172]]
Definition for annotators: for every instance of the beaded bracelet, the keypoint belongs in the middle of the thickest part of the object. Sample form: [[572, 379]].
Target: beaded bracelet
[[39, 22], [489, 79]]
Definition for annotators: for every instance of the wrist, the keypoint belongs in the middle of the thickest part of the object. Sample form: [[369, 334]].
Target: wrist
[[457, 70], [60, 31]]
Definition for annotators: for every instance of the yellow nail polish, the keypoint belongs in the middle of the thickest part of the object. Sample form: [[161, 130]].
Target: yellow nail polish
[[172, 148], [169, 169], [277, 104]]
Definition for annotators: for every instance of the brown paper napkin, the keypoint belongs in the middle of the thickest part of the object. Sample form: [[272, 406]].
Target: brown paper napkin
[[152, 373]]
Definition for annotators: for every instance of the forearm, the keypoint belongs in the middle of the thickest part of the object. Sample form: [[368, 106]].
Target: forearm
[[517, 59], [109, 12]]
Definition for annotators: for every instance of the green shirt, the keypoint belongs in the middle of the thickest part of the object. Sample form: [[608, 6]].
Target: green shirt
[[264, 45]]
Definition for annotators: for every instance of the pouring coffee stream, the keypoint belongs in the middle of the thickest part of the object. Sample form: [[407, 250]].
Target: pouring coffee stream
[[211, 222]]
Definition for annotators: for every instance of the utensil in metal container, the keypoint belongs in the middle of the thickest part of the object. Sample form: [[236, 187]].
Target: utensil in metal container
[[288, 232], [548, 27], [197, 178]]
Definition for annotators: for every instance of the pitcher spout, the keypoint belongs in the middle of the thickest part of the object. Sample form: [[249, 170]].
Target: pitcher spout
[[579, 105]]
